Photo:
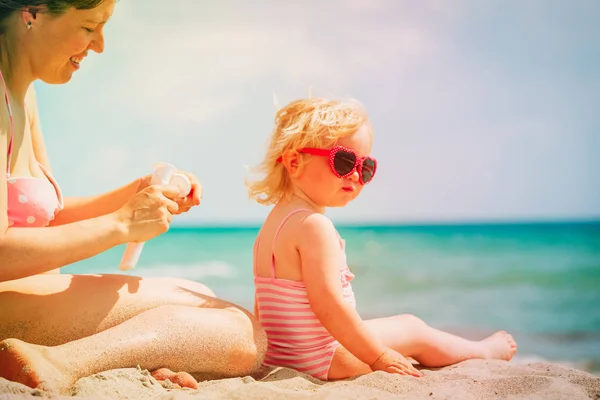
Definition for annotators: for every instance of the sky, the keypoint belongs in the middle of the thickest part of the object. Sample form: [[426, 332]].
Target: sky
[[483, 110]]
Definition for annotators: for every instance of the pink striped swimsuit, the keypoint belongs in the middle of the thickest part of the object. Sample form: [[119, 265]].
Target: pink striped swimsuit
[[32, 202], [296, 337]]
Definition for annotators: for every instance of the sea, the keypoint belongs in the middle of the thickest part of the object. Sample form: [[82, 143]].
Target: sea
[[538, 281]]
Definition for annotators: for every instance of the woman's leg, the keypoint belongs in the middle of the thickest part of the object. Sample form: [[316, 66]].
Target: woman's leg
[[54, 309], [64, 327], [431, 347]]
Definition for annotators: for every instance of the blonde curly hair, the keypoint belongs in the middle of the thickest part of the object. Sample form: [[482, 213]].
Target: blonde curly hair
[[312, 122]]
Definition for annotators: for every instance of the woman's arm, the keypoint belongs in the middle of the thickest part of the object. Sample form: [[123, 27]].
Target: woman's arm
[[80, 208], [319, 251], [31, 251]]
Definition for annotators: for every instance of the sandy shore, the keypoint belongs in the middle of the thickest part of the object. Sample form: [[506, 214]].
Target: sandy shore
[[473, 379]]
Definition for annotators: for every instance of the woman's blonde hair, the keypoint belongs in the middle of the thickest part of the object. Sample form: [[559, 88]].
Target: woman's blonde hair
[[313, 122]]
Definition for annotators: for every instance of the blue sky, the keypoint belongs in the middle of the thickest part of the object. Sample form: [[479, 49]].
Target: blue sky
[[483, 110]]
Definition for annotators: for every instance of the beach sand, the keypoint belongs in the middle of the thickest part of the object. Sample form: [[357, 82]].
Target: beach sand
[[472, 379]]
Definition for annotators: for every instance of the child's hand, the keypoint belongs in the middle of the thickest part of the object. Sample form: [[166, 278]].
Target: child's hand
[[393, 362]]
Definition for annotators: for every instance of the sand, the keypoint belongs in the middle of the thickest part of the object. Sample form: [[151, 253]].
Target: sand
[[473, 379]]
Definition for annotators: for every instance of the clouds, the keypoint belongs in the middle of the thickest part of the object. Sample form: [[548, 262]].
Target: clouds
[[473, 104], [194, 68]]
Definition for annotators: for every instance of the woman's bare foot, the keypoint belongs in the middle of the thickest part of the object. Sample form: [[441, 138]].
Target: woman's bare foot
[[181, 379], [500, 346], [32, 366]]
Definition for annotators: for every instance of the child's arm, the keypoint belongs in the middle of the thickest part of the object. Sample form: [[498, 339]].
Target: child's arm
[[319, 251]]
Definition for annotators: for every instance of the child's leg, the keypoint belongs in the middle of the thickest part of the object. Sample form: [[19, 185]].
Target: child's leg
[[431, 347]]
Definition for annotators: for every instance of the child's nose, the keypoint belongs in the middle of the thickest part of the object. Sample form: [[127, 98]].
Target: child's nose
[[354, 176]]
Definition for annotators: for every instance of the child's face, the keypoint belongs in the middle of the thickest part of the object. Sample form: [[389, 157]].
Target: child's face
[[322, 186]]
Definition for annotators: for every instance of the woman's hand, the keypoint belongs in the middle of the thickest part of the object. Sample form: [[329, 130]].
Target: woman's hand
[[148, 213], [393, 362], [184, 203]]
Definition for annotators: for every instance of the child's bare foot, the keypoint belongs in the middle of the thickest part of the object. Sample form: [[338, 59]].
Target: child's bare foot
[[32, 366], [500, 346], [181, 379]]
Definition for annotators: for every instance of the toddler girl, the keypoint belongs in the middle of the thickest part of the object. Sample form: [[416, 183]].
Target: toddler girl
[[319, 157]]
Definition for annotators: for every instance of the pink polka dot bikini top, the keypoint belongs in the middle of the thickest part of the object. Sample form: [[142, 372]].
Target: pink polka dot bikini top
[[32, 202]]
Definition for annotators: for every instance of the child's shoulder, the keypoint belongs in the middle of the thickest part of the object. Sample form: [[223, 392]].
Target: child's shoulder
[[316, 230], [316, 221], [303, 222]]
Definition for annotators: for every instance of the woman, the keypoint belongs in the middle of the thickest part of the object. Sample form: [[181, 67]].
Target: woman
[[57, 328]]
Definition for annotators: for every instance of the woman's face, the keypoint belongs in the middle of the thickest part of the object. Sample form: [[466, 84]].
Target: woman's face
[[56, 45]]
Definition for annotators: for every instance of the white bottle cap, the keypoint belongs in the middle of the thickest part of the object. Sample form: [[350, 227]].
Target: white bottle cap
[[183, 183], [162, 173]]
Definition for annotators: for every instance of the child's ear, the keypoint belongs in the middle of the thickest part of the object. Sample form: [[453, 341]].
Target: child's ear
[[290, 161]]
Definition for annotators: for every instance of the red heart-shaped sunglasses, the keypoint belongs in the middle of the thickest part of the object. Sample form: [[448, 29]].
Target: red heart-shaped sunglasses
[[344, 162]]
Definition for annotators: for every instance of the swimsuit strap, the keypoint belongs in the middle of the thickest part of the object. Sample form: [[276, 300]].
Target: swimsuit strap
[[12, 128], [283, 221], [255, 252], [61, 203]]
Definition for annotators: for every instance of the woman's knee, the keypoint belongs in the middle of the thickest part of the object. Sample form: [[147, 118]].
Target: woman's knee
[[251, 345], [238, 338], [248, 342], [246, 357]]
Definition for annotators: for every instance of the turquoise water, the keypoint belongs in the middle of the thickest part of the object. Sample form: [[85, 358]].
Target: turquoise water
[[541, 282]]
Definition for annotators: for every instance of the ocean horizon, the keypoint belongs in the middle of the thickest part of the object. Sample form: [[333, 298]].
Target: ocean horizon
[[404, 223], [539, 280]]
